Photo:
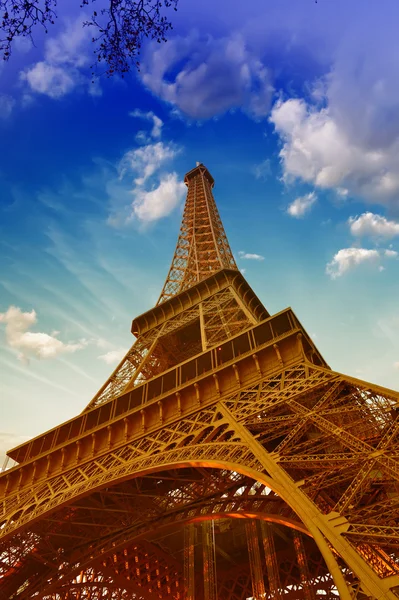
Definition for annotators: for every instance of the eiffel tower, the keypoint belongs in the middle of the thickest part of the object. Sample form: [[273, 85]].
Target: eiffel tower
[[223, 458]]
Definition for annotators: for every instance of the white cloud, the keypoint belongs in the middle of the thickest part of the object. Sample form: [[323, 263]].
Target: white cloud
[[214, 75], [262, 170], [113, 356], [153, 205], [342, 192], [157, 123], [155, 193], [94, 89], [7, 104], [390, 253], [64, 58], [33, 344], [102, 343], [249, 256], [396, 365], [348, 137], [373, 225], [300, 206], [348, 258], [53, 81], [71, 46], [146, 160]]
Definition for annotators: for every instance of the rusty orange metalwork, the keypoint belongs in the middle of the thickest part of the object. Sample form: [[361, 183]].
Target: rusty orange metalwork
[[220, 416]]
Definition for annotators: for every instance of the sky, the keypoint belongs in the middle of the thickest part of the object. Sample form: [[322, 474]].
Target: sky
[[294, 108]]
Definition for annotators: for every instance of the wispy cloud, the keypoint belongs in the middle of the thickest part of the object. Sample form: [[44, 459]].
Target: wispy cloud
[[347, 259], [262, 170], [302, 205], [7, 104], [146, 160], [157, 123], [29, 374], [113, 356], [33, 344], [65, 58], [82, 372], [249, 256]]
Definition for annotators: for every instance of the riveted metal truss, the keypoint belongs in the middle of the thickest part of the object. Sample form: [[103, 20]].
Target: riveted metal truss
[[237, 434], [202, 247], [223, 440]]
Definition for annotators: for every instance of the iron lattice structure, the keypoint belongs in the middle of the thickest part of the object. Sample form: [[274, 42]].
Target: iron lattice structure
[[223, 459]]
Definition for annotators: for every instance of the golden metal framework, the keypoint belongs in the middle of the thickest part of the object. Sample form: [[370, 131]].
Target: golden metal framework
[[219, 416], [271, 561], [255, 561], [209, 561], [189, 564]]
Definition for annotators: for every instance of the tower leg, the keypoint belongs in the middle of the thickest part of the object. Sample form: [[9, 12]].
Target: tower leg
[[208, 549], [304, 509], [255, 562], [271, 561], [303, 567], [189, 539]]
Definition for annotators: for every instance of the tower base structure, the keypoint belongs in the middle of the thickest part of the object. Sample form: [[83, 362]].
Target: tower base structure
[[223, 459]]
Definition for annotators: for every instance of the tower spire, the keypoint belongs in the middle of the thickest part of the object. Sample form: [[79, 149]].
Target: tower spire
[[202, 247]]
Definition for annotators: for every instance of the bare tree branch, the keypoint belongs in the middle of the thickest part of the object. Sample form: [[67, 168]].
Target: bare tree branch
[[118, 30], [20, 17]]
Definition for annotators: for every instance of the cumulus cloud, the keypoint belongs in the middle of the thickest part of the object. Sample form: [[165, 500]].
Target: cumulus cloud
[[346, 136], [302, 205], [348, 258], [157, 123], [373, 225], [155, 192], [318, 150], [146, 160], [161, 201], [113, 356], [33, 344], [64, 58], [206, 77], [249, 256]]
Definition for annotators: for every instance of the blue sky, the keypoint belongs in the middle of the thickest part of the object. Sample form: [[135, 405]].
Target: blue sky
[[293, 107]]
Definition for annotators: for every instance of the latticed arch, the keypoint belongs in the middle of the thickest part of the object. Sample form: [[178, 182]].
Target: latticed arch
[[253, 506], [222, 459]]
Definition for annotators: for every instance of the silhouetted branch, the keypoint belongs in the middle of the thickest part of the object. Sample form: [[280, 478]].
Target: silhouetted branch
[[20, 17], [118, 30]]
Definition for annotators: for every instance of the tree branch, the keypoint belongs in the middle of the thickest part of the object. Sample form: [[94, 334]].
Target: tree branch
[[118, 30]]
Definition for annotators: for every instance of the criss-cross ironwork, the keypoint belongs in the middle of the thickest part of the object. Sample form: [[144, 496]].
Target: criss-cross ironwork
[[223, 458]]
